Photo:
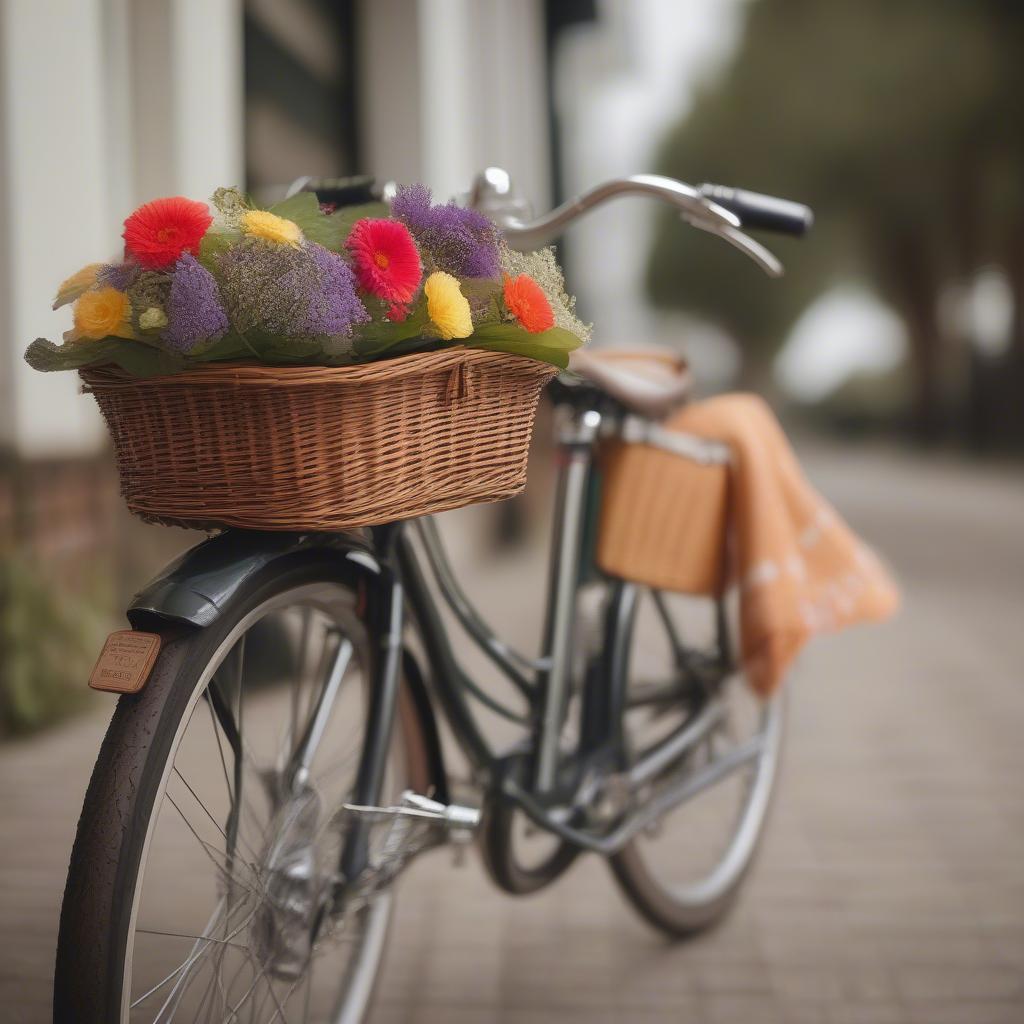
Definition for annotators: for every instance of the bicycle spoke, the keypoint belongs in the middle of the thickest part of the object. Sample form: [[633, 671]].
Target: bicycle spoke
[[209, 849], [206, 810], [287, 996], [195, 953], [217, 731], [190, 935], [220, 751], [260, 975]]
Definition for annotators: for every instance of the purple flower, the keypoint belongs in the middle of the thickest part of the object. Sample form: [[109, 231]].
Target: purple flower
[[459, 241], [195, 312], [289, 292], [335, 307], [118, 275]]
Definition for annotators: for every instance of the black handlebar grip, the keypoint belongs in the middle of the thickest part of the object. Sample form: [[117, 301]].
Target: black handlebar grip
[[754, 210]]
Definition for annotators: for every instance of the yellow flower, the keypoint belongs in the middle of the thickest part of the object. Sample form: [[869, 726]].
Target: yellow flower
[[76, 284], [102, 313], [447, 307], [263, 224]]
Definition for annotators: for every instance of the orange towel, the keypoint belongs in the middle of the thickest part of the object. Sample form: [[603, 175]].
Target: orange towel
[[799, 568]]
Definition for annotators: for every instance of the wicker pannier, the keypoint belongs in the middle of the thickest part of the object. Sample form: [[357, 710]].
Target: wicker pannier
[[321, 448], [663, 518]]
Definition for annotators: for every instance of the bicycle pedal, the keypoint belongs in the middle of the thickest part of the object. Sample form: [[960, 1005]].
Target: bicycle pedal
[[459, 819]]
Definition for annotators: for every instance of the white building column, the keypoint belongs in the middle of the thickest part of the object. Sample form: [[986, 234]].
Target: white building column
[[103, 105], [56, 214], [206, 69], [452, 86]]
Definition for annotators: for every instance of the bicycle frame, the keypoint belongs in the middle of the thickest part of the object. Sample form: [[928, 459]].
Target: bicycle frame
[[546, 783]]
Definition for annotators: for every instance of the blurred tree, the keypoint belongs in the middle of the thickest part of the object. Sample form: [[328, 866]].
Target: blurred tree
[[899, 124]]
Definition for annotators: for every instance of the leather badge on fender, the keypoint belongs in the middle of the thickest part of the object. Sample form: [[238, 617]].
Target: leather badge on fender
[[125, 662]]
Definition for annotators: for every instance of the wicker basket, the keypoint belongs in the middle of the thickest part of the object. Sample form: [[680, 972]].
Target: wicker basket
[[663, 519], [321, 448]]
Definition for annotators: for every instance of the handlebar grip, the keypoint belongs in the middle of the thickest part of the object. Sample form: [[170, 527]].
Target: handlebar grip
[[759, 211]]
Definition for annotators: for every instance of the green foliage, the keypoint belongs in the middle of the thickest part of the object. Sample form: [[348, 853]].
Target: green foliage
[[50, 640], [327, 229], [551, 346], [135, 357], [893, 120]]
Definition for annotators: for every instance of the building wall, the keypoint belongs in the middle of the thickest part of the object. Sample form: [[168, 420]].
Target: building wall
[[103, 103]]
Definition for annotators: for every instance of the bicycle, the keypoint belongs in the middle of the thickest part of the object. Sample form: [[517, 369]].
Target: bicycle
[[283, 763]]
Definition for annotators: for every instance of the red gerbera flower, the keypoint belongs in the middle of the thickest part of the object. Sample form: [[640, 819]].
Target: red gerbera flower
[[387, 263], [527, 302], [158, 233]]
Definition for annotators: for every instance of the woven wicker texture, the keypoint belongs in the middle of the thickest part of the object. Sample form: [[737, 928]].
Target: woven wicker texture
[[321, 448], [663, 519]]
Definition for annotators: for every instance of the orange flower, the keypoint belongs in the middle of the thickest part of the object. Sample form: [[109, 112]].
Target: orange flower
[[527, 302]]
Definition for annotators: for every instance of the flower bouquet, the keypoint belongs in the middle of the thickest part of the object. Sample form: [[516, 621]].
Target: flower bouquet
[[304, 368], [298, 284]]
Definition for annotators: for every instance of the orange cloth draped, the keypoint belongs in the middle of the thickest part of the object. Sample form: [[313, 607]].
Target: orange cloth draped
[[799, 568]]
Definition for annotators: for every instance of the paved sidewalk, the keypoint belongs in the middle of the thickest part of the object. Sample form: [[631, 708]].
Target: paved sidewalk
[[891, 883]]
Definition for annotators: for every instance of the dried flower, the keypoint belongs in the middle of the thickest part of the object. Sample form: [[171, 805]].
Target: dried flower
[[194, 311], [119, 275], [527, 302], [102, 313], [459, 241], [447, 307], [76, 284], [266, 225], [335, 307], [289, 292], [230, 204], [157, 233], [150, 290], [386, 261]]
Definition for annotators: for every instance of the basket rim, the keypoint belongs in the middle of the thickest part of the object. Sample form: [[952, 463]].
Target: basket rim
[[390, 368]]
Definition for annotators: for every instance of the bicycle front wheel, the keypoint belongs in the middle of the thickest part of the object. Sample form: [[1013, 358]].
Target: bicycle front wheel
[[204, 881]]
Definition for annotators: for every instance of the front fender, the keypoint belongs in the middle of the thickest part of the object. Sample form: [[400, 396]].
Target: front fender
[[197, 586]]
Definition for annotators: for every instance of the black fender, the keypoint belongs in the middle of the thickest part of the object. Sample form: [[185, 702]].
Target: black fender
[[195, 589]]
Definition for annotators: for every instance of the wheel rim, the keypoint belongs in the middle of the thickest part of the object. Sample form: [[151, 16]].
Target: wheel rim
[[695, 856], [270, 868]]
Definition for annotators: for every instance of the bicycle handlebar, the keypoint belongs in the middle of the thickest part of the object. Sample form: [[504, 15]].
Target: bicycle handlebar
[[492, 194], [760, 211]]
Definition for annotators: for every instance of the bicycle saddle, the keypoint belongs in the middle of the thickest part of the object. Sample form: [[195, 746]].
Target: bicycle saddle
[[652, 382]]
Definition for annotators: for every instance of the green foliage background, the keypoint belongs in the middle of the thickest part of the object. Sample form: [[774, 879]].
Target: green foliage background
[[50, 637]]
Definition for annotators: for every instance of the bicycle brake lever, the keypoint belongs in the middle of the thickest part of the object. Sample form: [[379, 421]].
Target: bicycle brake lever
[[763, 257]]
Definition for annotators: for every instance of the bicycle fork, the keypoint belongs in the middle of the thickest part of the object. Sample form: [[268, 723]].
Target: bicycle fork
[[576, 447], [386, 622]]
